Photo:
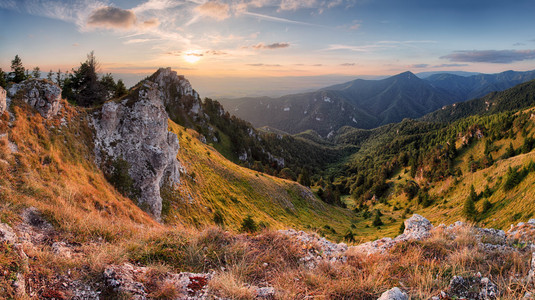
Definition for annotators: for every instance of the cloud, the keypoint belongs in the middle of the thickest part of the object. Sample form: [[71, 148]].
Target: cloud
[[73, 11], [418, 66], [491, 56], [263, 65], [297, 4], [112, 18], [75, 45], [155, 5], [276, 19], [214, 9], [381, 45], [450, 65], [151, 23], [347, 64], [317, 65], [355, 25], [271, 46]]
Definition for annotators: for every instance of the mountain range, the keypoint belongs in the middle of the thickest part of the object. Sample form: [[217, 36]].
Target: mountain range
[[368, 103]]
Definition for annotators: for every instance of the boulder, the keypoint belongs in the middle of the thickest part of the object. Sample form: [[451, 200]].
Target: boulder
[[416, 228], [135, 130], [394, 294], [3, 100], [40, 94]]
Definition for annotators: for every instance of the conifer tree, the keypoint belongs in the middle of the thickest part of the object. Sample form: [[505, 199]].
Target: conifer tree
[[469, 209], [18, 72]]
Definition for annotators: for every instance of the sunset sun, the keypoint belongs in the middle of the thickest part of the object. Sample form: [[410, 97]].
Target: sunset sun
[[192, 57]]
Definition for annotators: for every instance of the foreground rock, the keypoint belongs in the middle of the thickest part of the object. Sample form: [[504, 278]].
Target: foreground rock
[[135, 131], [317, 249], [475, 287], [134, 282], [394, 294], [40, 94]]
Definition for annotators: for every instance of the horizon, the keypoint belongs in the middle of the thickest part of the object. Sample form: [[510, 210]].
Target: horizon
[[268, 47]]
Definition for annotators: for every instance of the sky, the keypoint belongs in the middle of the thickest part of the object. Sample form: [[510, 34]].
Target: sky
[[255, 47]]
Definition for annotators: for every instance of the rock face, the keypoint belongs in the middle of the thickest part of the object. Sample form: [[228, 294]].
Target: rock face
[[135, 130], [3, 103], [40, 94]]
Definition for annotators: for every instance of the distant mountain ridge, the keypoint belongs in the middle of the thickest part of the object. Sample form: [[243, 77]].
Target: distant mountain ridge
[[359, 103], [369, 103]]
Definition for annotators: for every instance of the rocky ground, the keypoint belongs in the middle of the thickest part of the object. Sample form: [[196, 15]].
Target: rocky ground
[[131, 281]]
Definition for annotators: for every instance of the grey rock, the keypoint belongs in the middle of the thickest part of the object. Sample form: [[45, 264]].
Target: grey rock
[[7, 234], [416, 228], [394, 294], [3, 103], [265, 292], [130, 279], [317, 249], [40, 94], [475, 287], [136, 130]]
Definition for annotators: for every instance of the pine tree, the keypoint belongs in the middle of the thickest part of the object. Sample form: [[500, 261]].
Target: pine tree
[[50, 75], [377, 221], [36, 73], [473, 195], [18, 72], [469, 209], [120, 89], [87, 88], [58, 78]]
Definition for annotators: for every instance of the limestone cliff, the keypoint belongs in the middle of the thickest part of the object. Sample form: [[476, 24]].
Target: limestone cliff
[[135, 129]]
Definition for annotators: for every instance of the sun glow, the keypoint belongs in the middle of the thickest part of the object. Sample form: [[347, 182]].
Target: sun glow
[[192, 57]]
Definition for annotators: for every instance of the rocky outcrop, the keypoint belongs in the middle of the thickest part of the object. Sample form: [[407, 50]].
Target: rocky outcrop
[[394, 294], [135, 131], [40, 94], [317, 249], [132, 280], [3, 102], [416, 228], [473, 287]]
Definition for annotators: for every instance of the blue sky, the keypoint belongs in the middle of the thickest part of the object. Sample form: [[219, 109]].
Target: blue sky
[[218, 44]]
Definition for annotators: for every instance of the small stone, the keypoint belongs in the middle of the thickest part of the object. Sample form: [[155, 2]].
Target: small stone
[[394, 294]]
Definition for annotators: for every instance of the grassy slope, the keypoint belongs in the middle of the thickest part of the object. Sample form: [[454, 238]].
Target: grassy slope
[[211, 183], [509, 207]]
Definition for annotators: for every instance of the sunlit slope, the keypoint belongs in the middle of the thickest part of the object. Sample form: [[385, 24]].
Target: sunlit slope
[[212, 183], [48, 164], [507, 205]]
